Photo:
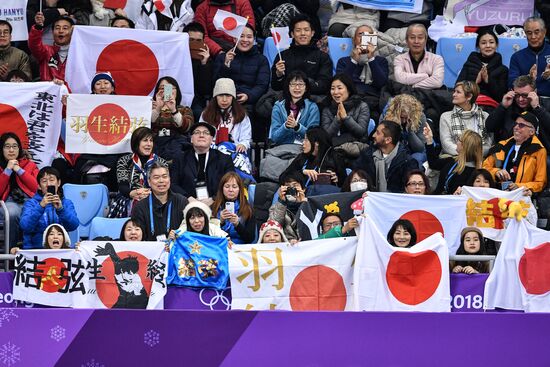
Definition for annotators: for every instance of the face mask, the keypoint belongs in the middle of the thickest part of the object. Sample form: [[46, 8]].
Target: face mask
[[358, 186]]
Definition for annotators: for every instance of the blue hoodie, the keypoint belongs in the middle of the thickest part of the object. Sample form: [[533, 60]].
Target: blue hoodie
[[35, 219]]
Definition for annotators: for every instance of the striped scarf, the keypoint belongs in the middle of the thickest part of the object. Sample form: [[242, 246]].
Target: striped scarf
[[458, 117]]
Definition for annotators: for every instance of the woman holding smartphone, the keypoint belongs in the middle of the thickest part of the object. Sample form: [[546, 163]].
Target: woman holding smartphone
[[232, 208]]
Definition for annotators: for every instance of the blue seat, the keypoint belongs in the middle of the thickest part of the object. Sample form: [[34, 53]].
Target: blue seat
[[455, 52], [74, 236], [251, 193], [370, 128], [337, 48], [89, 201], [270, 51], [508, 46], [106, 227]]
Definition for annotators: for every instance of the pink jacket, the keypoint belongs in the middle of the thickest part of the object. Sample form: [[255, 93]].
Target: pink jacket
[[430, 71]]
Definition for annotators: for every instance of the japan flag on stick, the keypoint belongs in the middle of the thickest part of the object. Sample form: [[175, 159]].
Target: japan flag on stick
[[280, 37], [388, 278], [136, 59], [163, 6], [229, 23], [520, 279]]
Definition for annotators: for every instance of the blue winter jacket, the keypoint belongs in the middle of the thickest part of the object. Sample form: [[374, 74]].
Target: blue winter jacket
[[521, 63], [280, 134], [35, 219], [249, 70]]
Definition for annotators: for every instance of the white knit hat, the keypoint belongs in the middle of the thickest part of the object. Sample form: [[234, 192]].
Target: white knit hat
[[198, 204], [271, 225], [225, 86], [65, 235]]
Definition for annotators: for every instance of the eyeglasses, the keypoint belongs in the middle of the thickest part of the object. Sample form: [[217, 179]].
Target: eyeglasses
[[521, 125], [8, 147], [358, 180], [521, 95], [297, 85], [419, 184], [201, 132], [331, 224]]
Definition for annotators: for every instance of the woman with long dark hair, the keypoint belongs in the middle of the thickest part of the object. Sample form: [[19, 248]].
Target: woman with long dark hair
[[232, 208], [295, 113], [319, 163], [197, 217], [17, 180]]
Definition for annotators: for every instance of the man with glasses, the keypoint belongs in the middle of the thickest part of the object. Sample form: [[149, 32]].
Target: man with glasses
[[331, 226], [198, 171], [11, 58], [522, 97], [520, 161], [534, 60]]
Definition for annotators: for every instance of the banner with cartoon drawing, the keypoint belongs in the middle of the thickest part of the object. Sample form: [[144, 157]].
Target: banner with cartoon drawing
[[98, 275]]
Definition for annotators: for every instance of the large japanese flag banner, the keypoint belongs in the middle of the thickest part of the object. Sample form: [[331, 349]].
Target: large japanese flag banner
[[33, 112], [388, 278], [136, 59], [15, 12], [99, 275], [131, 7], [428, 213], [312, 275], [310, 212], [49, 277], [487, 209], [520, 279], [103, 124]]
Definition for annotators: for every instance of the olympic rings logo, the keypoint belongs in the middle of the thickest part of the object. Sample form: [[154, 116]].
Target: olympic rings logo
[[219, 297]]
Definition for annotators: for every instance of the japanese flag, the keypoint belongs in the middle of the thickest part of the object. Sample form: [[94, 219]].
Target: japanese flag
[[483, 210], [520, 279], [388, 278], [229, 23], [163, 6], [429, 214], [136, 59], [131, 7], [281, 37], [313, 275], [33, 112]]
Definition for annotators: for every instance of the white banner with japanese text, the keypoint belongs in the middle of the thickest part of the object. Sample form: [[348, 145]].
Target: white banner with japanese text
[[103, 124]]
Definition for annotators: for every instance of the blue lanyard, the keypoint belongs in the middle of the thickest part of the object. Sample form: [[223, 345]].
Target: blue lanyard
[[303, 168], [449, 175], [153, 220], [508, 157]]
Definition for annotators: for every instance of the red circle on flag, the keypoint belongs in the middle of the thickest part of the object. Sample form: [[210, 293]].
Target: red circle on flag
[[413, 277], [108, 124], [229, 23], [107, 289], [12, 121], [534, 272], [159, 5], [424, 222], [277, 37], [115, 4], [132, 64], [50, 273], [318, 288]]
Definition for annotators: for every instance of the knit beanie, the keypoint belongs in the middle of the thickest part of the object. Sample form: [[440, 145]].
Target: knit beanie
[[224, 86], [103, 75], [271, 225]]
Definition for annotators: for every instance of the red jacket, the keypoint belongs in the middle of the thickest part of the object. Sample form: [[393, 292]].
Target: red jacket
[[50, 65], [205, 15], [27, 181]]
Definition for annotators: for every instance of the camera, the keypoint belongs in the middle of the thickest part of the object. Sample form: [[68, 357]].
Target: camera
[[291, 191]]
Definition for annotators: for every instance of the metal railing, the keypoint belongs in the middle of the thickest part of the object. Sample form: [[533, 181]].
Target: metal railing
[[6, 255], [472, 258]]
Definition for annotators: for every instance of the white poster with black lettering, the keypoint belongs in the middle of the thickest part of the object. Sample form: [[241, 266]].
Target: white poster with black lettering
[[15, 12]]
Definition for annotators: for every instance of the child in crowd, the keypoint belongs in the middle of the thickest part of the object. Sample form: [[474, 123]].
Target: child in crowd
[[471, 243]]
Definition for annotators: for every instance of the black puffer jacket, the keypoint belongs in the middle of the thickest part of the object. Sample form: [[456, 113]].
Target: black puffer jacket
[[498, 74]]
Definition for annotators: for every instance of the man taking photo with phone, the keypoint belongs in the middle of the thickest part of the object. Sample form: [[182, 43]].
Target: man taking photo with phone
[[47, 206]]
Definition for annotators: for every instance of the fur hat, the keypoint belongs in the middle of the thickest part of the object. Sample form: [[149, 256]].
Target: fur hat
[[103, 75], [224, 86], [65, 235], [271, 225], [197, 204]]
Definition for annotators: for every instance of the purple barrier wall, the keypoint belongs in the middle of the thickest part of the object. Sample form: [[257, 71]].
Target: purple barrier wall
[[106, 338]]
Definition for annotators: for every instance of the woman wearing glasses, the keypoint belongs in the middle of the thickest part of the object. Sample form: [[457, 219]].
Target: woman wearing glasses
[[417, 183], [17, 180], [466, 115], [292, 116]]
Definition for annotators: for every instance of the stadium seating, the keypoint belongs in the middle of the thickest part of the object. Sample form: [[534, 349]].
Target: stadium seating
[[338, 48], [109, 227], [455, 52], [507, 47], [89, 201]]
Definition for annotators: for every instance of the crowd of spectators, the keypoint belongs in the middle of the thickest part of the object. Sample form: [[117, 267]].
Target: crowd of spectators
[[375, 121]]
